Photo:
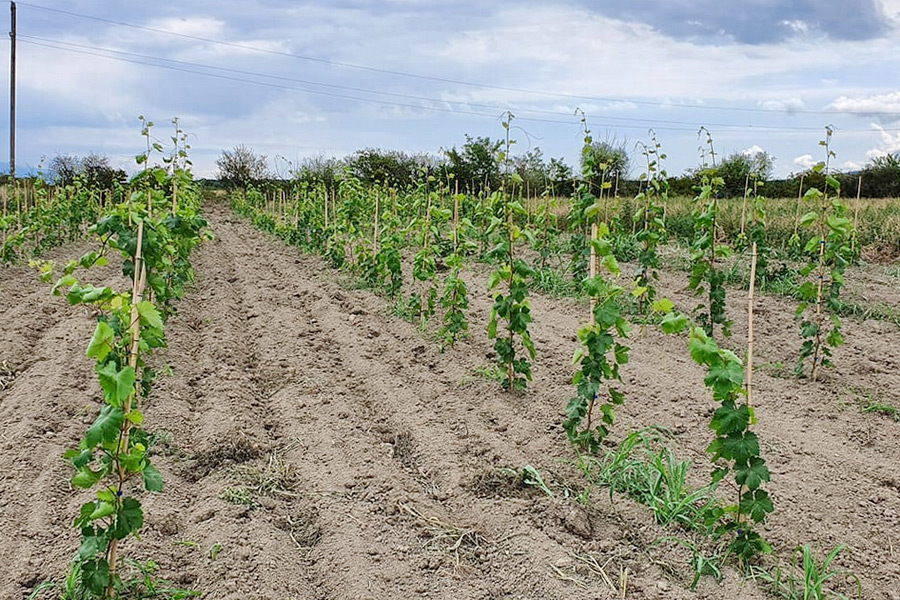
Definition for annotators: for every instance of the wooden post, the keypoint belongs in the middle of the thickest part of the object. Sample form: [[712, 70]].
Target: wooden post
[[797, 209], [375, 235], [456, 220], [133, 400], [749, 379], [12, 92], [856, 212], [744, 204], [593, 269]]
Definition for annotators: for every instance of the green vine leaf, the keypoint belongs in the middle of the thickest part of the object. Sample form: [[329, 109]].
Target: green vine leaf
[[105, 429]]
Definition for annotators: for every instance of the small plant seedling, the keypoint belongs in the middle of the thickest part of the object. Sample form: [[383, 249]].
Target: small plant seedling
[[531, 476]]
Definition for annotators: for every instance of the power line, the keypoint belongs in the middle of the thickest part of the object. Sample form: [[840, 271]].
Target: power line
[[335, 95], [143, 58], [411, 75]]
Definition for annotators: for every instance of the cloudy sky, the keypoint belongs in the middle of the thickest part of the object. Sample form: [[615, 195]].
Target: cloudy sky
[[294, 80]]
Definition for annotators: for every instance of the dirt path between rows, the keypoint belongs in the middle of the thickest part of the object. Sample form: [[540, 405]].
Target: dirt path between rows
[[315, 446]]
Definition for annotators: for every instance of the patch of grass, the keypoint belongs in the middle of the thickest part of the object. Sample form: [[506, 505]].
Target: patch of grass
[[808, 579], [882, 408], [556, 283], [489, 371], [775, 369], [234, 448], [239, 495], [703, 561]]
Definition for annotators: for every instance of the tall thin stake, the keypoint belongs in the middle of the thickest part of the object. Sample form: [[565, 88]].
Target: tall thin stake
[[133, 400], [749, 379], [593, 269]]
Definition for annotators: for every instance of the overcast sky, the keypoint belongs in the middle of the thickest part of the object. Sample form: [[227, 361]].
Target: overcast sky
[[295, 80]]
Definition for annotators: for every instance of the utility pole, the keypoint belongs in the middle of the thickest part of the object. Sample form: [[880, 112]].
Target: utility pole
[[12, 92]]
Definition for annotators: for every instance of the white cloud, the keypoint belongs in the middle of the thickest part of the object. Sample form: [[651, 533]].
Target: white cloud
[[885, 107], [783, 104], [888, 144], [208, 27], [798, 26], [805, 161], [752, 150]]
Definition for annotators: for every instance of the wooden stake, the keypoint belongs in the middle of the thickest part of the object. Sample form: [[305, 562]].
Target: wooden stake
[[744, 205], [797, 210], [133, 400], [375, 236], [593, 269], [856, 211], [456, 219], [749, 379]]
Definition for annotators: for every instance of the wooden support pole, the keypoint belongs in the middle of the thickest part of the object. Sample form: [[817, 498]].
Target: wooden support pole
[[749, 379]]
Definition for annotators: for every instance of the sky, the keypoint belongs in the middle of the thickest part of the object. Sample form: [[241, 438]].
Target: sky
[[295, 80]]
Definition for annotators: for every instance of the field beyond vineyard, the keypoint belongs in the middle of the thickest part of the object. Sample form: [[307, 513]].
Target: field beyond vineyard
[[315, 445]]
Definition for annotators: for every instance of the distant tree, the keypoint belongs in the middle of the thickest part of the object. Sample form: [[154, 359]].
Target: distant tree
[[95, 169], [535, 173], [477, 165], [394, 168], [320, 170], [881, 177], [241, 166], [561, 178], [100, 173], [614, 157], [737, 167], [64, 168]]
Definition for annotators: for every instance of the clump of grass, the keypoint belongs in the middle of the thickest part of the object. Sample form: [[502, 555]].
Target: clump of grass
[[882, 408], [647, 471], [808, 579], [239, 495]]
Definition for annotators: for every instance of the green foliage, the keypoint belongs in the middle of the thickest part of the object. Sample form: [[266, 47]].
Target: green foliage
[[736, 168], [241, 166], [599, 357], [476, 167], [455, 296], [114, 450], [649, 215], [511, 311], [707, 276], [807, 579], [829, 251], [735, 444]]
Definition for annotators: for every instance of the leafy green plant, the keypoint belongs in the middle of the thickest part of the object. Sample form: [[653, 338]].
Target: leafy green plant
[[531, 476], [114, 454], [651, 202], [599, 357], [707, 276], [735, 444], [829, 250], [510, 305], [455, 296]]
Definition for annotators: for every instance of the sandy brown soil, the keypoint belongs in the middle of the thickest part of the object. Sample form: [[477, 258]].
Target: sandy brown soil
[[319, 447]]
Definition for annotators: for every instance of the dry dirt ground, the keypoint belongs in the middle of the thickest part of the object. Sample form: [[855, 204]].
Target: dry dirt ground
[[316, 446]]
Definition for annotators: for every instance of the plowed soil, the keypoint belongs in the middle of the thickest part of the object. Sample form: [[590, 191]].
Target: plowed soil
[[316, 446]]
